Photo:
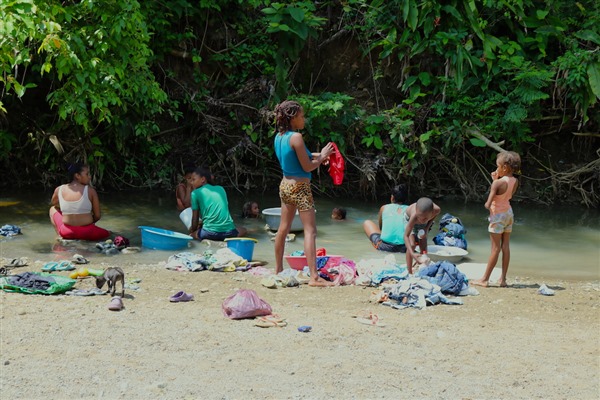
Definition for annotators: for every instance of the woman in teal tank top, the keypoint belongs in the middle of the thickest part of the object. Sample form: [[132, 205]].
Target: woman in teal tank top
[[388, 235], [295, 193]]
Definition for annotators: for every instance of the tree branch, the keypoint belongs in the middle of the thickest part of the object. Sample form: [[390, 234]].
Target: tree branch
[[488, 142]]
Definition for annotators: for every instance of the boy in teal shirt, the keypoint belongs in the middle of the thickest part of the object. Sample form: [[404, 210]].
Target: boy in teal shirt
[[209, 203]]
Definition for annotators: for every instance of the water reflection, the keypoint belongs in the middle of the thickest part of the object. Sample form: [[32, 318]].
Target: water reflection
[[553, 242]]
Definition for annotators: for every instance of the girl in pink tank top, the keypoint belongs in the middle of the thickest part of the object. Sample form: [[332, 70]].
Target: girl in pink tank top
[[504, 186]]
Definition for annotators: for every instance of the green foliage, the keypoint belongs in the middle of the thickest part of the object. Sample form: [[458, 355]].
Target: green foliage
[[328, 117], [135, 87], [293, 24]]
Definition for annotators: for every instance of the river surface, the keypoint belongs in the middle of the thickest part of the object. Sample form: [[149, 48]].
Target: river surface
[[547, 242]]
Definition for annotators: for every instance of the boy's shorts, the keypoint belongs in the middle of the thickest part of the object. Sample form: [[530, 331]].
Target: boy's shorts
[[218, 236], [385, 246], [417, 227], [297, 194], [502, 222]]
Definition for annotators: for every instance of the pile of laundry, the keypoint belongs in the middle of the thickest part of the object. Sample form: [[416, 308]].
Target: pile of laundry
[[10, 230], [430, 285], [223, 260], [119, 244], [452, 232]]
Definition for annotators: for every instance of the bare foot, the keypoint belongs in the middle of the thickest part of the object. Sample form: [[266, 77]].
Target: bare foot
[[479, 282], [320, 283], [502, 283]]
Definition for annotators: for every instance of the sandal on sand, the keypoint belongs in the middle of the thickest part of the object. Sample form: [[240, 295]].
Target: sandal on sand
[[17, 262], [368, 318], [269, 321], [79, 259], [55, 266], [116, 304]]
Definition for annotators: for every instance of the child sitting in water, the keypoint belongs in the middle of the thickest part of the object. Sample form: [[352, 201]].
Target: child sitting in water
[[338, 214], [183, 191], [504, 186], [419, 218], [250, 210], [388, 235]]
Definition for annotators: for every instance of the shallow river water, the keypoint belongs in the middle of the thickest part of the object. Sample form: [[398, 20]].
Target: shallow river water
[[551, 242]]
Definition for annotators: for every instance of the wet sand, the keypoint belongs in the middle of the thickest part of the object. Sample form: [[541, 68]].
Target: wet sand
[[504, 343]]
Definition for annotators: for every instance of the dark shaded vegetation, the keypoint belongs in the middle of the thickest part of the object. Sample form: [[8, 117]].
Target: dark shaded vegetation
[[419, 92]]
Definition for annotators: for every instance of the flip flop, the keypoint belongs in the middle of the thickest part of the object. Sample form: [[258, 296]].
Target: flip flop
[[17, 262], [79, 259], [270, 321], [116, 304], [64, 266], [371, 319], [50, 266], [79, 292]]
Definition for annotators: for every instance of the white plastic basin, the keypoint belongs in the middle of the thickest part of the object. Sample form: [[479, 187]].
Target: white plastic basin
[[273, 219]]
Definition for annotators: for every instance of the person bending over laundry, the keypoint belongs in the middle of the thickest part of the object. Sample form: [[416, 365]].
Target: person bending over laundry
[[419, 218], [209, 202], [76, 207], [388, 234]]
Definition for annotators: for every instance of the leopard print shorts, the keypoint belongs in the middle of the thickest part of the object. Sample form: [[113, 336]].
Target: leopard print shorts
[[297, 194]]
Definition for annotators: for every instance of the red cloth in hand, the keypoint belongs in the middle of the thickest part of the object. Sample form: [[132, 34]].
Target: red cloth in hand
[[337, 164]]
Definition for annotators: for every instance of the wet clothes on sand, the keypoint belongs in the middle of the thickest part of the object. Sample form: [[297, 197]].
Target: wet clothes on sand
[[446, 276], [31, 281], [417, 293]]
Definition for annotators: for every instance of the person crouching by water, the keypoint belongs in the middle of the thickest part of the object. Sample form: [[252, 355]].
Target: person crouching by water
[[297, 162], [388, 233], [209, 203], [76, 207]]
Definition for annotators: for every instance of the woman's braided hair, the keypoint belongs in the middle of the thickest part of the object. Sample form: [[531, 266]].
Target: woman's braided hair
[[284, 112]]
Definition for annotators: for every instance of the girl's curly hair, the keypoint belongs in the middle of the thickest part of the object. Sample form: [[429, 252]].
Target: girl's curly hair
[[512, 159], [284, 112]]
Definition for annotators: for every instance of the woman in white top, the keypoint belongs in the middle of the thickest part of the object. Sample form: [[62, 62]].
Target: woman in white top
[[76, 207]]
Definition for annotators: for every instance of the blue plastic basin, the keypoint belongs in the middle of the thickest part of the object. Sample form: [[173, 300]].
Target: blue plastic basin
[[163, 239]]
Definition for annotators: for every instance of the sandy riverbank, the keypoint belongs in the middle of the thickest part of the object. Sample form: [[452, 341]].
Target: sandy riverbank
[[504, 343]]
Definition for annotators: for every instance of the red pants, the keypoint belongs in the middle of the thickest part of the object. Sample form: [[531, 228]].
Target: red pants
[[87, 232]]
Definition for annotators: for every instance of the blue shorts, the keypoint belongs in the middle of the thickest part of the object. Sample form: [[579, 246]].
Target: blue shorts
[[385, 246], [219, 236]]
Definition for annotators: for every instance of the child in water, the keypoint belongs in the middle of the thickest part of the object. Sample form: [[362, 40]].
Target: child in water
[[338, 213], [419, 219], [250, 210], [504, 186], [183, 191]]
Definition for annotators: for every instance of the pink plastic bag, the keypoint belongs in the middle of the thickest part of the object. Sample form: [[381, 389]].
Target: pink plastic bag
[[245, 303]]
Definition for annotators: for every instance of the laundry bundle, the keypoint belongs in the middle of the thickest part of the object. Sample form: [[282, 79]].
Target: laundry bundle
[[452, 232]]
